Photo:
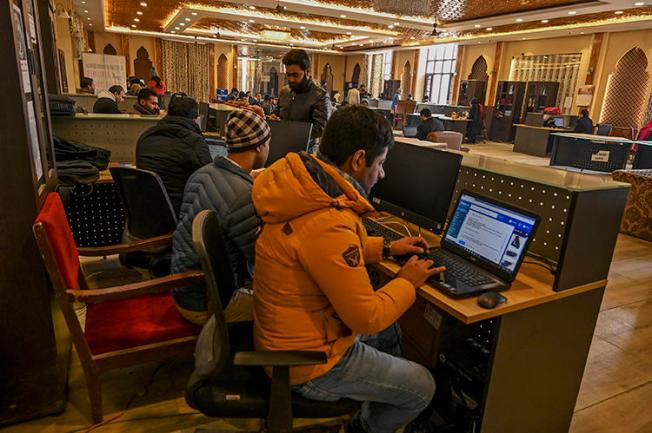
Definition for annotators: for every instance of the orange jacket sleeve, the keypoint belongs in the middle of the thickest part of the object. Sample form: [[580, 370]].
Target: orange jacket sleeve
[[335, 260]]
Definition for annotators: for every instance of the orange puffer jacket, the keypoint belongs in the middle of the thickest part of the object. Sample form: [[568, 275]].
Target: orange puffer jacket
[[311, 287]]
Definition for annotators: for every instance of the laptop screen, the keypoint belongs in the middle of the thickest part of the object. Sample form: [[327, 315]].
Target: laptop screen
[[491, 232], [559, 122]]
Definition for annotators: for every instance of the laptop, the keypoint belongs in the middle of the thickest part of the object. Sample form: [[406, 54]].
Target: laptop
[[483, 246]]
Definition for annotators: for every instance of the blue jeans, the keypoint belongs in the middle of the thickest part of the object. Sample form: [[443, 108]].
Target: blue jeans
[[393, 390]]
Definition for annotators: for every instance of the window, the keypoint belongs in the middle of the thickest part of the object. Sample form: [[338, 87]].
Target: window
[[381, 70], [440, 69]]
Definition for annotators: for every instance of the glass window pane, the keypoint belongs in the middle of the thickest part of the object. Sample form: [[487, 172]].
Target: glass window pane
[[438, 66], [445, 87], [430, 67], [436, 82], [448, 65]]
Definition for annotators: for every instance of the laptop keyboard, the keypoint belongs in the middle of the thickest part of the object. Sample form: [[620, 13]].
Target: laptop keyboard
[[377, 229]]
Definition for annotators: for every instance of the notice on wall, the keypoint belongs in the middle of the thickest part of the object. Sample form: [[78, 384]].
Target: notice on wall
[[35, 142], [600, 156], [21, 48], [105, 70]]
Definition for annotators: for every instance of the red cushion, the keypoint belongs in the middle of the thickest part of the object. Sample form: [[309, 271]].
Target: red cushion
[[53, 217], [126, 323]]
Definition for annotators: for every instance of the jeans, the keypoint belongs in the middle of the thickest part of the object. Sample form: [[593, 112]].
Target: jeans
[[393, 390]]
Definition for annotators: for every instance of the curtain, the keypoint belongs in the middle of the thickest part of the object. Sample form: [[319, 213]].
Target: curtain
[[186, 68]]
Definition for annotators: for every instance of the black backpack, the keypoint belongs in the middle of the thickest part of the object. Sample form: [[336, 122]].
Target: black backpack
[[61, 105], [68, 150]]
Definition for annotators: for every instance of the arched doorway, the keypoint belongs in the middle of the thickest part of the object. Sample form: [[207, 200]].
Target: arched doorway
[[625, 96], [273, 82], [406, 80], [327, 78], [222, 72], [479, 70], [355, 77], [142, 64], [110, 50]]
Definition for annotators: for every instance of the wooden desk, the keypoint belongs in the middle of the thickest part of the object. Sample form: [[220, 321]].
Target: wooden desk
[[417, 142], [538, 343], [533, 140], [589, 152]]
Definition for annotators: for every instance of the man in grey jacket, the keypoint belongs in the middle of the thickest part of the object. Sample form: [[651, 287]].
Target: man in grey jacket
[[302, 99], [225, 187]]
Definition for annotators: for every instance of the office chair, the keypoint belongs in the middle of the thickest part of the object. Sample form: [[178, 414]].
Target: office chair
[[149, 214], [603, 129], [125, 325], [452, 139], [230, 383]]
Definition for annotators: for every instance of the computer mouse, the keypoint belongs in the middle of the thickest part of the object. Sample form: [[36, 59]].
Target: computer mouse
[[491, 300]]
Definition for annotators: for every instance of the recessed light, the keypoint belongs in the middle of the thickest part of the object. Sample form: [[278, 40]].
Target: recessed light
[[639, 3], [182, 24], [252, 21], [253, 8], [519, 20], [489, 29], [477, 26], [412, 37], [581, 33], [291, 45], [143, 4], [88, 18], [172, 31], [545, 21], [391, 26], [187, 19], [139, 12], [397, 24], [177, 28], [133, 25], [342, 16], [255, 40], [302, 27], [523, 39], [572, 12], [136, 20], [348, 33], [193, 13], [618, 12], [90, 24], [86, 11], [83, 2]]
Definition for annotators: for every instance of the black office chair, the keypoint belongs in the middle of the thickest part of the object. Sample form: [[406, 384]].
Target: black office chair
[[603, 129], [229, 380], [149, 214]]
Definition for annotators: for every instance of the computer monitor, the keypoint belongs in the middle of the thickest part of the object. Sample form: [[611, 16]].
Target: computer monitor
[[287, 136], [558, 122], [418, 184], [643, 159], [494, 234]]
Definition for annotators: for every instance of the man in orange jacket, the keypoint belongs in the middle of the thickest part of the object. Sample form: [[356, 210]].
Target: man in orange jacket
[[311, 287]]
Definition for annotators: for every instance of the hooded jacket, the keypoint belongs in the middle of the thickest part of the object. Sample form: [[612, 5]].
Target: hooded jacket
[[174, 149], [311, 287], [312, 105], [106, 103]]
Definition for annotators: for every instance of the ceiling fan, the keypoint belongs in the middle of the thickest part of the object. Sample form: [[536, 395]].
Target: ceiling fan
[[435, 29]]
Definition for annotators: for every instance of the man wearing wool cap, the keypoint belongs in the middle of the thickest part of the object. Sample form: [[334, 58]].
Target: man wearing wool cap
[[225, 187]]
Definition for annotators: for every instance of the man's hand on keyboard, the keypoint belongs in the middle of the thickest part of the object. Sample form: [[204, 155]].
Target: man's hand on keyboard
[[408, 245], [418, 271]]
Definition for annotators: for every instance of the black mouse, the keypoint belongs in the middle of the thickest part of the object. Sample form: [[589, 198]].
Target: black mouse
[[491, 300]]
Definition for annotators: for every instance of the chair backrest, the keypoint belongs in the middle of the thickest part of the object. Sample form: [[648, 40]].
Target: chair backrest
[[603, 129], [452, 139], [146, 202], [623, 131], [406, 106], [210, 245]]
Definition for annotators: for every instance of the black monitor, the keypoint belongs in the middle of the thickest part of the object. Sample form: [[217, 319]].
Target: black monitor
[[643, 158], [418, 185], [287, 136]]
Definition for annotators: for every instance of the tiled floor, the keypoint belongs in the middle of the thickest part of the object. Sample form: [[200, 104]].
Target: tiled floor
[[615, 396]]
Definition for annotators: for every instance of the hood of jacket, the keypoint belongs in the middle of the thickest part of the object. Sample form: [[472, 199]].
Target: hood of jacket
[[106, 94], [301, 183], [180, 122]]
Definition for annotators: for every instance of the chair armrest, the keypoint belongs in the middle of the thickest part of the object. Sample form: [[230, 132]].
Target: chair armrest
[[158, 241], [274, 358], [156, 285]]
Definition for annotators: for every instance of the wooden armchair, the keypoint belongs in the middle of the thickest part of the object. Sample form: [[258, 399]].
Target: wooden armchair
[[125, 325]]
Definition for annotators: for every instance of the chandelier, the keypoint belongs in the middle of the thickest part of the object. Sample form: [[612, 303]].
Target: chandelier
[[403, 7]]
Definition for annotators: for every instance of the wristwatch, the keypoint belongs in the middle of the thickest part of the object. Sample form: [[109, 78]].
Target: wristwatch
[[387, 251]]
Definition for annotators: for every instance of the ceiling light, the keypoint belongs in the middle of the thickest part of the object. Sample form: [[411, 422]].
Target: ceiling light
[[519, 20], [291, 45], [581, 33], [252, 21], [177, 28], [477, 26], [187, 19], [618, 12], [85, 11], [172, 31], [523, 39], [397, 24], [83, 2], [88, 18], [139, 12], [182, 24], [136, 20], [545, 21], [348, 33], [391, 26], [412, 38], [302, 27], [133, 26], [342, 16], [193, 13], [253, 8], [639, 3], [489, 29], [572, 12], [143, 4], [90, 24]]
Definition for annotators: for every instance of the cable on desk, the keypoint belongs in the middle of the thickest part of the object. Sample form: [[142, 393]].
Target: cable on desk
[[407, 230]]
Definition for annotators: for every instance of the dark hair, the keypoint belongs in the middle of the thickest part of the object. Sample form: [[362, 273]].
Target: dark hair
[[157, 79], [146, 93], [474, 101], [183, 106], [297, 57], [353, 128], [134, 80], [85, 82], [425, 112], [234, 90], [116, 89], [584, 112]]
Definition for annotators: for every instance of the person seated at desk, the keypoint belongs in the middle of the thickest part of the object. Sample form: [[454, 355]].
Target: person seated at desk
[[584, 123], [175, 148], [147, 103], [225, 187], [108, 100], [476, 121], [311, 288], [87, 86], [428, 124]]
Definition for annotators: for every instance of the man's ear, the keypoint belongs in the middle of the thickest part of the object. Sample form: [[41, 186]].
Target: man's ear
[[358, 160]]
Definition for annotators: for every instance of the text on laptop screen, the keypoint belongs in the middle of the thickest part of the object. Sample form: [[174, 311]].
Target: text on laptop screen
[[489, 231]]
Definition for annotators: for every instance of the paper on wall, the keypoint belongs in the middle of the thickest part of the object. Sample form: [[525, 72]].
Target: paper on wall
[[34, 141]]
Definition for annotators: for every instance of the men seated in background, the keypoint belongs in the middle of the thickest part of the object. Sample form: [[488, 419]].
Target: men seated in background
[[225, 187], [233, 96], [108, 100], [428, 124], [311, 288], [87, 86], [302, 99], [584, 123], [174, 148], [147, 103], [269, 104]]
